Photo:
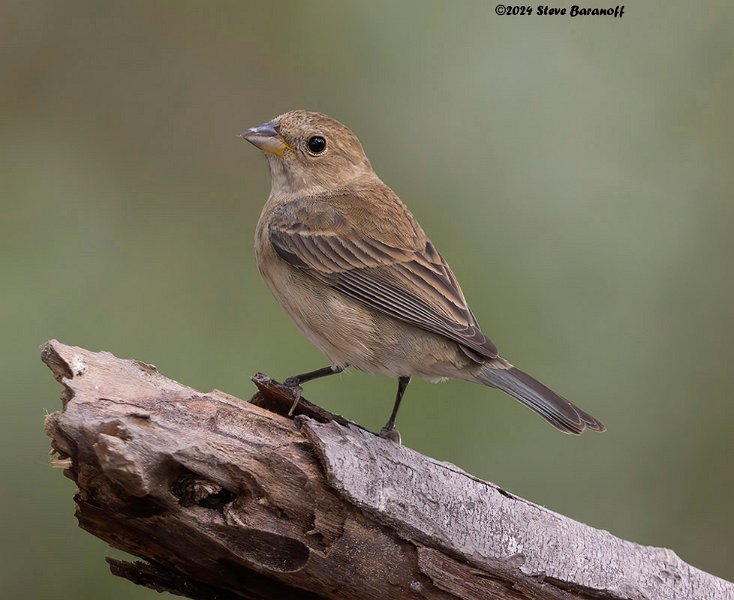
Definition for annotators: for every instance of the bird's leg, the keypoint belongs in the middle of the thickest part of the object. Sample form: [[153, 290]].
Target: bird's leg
[[389, 428], [304, 377], [296, 380]]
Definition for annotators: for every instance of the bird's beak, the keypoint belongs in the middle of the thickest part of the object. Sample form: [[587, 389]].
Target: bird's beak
[[267, 138]]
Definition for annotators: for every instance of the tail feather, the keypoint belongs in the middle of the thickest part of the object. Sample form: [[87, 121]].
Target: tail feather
[[555, 409]]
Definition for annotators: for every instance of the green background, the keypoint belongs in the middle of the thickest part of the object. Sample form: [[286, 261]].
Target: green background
[[576, 173]]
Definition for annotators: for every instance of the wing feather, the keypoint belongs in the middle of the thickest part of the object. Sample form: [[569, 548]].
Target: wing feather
[[408, 281]]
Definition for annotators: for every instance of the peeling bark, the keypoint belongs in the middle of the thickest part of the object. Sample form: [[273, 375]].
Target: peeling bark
[[227, 499]]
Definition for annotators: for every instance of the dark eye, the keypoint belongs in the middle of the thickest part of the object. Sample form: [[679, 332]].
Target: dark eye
[[316, 144]]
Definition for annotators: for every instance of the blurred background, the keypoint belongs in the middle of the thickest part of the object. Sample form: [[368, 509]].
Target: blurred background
[[576, 173]]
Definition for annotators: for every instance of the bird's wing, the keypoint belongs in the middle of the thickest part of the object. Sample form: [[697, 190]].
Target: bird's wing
[[386, 263]]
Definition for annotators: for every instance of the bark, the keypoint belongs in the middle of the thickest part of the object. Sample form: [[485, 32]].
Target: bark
[[229, 499]]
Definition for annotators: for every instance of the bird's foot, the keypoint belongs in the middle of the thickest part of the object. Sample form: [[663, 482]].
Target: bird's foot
[[292, 382], [297, 391], [390, 433]]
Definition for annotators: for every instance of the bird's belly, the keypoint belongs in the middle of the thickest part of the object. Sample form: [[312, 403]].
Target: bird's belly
[[325, 317], [352, 335]]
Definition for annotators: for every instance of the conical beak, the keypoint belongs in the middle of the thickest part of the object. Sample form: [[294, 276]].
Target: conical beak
[[267, 138]]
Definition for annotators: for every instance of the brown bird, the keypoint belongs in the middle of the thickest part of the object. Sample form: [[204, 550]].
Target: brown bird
[[354, 270]]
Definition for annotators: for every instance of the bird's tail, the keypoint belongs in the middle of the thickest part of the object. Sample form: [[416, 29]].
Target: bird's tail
[[555, 409]]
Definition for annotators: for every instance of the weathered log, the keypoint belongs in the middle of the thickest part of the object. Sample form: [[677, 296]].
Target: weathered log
[[228, 499]]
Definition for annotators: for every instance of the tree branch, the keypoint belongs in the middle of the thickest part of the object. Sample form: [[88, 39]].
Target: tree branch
[[226, 499]]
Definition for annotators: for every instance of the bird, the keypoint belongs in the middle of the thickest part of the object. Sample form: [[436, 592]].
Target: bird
[[361, 280]]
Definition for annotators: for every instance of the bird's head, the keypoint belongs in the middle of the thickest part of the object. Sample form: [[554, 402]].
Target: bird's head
[[308, 151]]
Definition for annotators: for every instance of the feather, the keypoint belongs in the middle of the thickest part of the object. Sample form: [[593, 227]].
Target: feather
[[390, 266]]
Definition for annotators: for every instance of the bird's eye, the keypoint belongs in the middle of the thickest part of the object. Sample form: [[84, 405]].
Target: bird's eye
[[316, 144]]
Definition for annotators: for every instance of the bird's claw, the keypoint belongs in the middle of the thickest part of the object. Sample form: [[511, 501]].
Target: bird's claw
[[297, 391], [391, 434], [292, 382]]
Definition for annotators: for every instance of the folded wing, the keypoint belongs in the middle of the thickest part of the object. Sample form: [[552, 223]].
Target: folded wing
[[389, 266]]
